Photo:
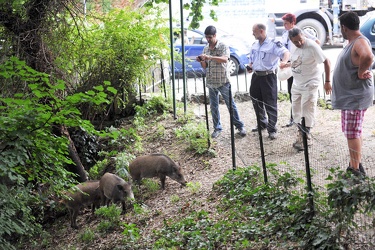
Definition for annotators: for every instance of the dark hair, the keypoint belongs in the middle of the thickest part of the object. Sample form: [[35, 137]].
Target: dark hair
[[210, 31], [350, 20], [289, 17], [294, 32]]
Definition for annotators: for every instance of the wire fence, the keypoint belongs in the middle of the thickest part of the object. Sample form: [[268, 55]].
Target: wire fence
[[327, 149]]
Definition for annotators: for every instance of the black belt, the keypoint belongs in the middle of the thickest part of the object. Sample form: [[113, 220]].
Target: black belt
[[264, 73]]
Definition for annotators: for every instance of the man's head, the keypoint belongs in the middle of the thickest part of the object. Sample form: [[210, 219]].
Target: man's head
[[210, 33], [297, 37], [289, 21], [259, 31], [349, 21]]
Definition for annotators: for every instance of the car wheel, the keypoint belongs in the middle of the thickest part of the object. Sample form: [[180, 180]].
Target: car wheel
[[233, 66]]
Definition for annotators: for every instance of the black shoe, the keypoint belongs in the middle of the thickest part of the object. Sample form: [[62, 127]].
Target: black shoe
[[361, 169], [355, 172], [256, 129]]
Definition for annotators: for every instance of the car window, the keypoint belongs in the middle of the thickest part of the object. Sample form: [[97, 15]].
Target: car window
[[373, 28], [194, 37]]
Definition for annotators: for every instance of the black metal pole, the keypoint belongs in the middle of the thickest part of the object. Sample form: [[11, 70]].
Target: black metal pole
[[232, 128], [307, 165], [261, 141], [206, 112]]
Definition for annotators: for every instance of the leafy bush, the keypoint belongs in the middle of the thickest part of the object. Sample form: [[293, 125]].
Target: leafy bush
[[32, 150], [110, 218], [196, 135]]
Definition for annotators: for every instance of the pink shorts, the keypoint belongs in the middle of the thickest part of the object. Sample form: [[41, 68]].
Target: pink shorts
[[351, 123]]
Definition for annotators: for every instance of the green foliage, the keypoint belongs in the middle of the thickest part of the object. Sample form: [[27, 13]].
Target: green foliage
[[155, 105], [120, 46], [193, 187], [195, 7], [122, 161], [324, 104], [110, 218], [16, 215], [196, 135], [254, 215], [131, 233], [97, 169], [87, 236], [175, 198], [151, 185], [282, 96], [31, 151]]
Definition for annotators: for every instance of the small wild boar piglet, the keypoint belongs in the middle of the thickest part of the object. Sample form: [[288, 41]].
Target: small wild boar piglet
[[114, 188], [86, 193], [156, 165]]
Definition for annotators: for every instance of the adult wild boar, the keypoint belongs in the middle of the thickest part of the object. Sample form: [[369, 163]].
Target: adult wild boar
[[86, 193], [156, 165], [114, 188]]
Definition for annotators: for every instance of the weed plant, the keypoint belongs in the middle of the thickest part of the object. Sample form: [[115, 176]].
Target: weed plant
[[196, 135]]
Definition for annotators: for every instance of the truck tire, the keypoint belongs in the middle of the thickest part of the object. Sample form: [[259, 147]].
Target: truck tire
[[315, 28]]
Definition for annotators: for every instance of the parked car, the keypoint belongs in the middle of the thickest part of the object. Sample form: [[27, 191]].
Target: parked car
[[367, 28], [194, 43]]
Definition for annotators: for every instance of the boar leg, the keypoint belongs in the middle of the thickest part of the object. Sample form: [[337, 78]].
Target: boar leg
[[162, 180], [73, 218], [123, 207]]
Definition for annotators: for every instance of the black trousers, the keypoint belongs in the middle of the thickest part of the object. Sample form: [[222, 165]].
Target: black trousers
[[263, 91]]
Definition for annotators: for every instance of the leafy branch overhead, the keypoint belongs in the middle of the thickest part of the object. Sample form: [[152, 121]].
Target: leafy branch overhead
[[195, 7]]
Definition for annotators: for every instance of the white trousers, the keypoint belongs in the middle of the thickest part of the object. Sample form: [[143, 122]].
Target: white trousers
[[304, 102]]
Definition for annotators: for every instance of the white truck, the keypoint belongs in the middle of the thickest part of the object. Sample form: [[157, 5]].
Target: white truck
[[318, 17]]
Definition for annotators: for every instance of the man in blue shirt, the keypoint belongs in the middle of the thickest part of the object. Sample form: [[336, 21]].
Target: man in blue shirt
[[264, 59]]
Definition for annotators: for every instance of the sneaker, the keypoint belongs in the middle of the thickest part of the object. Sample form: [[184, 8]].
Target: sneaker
[[215, 134], [242, 132], [256, 129], [298, 144], [272, 135]]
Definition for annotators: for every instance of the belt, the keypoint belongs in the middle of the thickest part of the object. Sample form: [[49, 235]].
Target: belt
[[264, 73]]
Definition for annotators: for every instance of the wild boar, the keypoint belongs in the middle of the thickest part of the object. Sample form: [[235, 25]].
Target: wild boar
[[156, 165], [86, 193], [114, 188]]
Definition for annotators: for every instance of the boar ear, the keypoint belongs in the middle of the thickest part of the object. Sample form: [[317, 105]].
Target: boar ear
[[120, 187]]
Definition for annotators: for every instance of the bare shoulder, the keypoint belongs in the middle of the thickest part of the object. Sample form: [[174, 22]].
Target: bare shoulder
[[362, 47]]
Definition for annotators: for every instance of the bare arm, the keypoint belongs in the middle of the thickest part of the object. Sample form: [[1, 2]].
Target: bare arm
[[284, 61], [327, 71], [363, 58]]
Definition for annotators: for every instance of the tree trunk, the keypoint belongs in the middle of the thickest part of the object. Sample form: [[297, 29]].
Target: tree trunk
[[79, 168]]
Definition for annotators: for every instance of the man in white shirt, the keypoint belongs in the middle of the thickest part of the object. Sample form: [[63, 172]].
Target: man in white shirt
[[306, 55]]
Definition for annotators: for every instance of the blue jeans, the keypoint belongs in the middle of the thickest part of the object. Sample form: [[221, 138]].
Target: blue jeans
[[214, 106]]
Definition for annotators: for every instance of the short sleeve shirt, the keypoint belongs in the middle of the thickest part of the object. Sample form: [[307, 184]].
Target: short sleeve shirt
[[217, 74], [305, 63], [266, 56]]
